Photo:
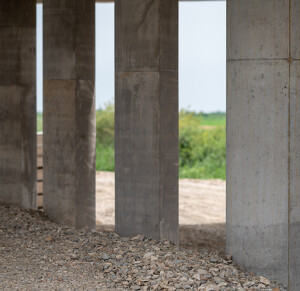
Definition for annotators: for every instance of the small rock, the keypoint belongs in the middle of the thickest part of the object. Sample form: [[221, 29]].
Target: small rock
[[74, 257], [148, 255], [105, 256], [249, 284], [217, 280], [154, 258], [228, 257], [222, 284], [205, 277], [202, 272], [139, 237], [169, 275], [197, 277], [264, 280], [166, 243], [223, 274], [49, 239]]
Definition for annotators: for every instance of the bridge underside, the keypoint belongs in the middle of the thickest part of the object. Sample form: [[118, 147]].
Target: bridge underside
[[263, 124]]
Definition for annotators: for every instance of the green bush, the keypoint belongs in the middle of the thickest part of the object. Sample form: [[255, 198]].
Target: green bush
[[202, 143], [105, 129], [202, 151], [105, 125]]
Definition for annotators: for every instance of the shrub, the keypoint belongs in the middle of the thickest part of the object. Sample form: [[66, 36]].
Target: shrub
[[202, 144], [105, 125], [202, 150]]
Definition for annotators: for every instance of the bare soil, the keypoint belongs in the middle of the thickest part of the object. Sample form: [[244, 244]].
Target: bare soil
[[201, 211]]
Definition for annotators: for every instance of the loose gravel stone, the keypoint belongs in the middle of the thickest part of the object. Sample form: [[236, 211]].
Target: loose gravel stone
[[37, 254]]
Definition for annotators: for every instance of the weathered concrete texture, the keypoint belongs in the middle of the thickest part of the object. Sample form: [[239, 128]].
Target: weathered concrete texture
[[247, 39], [146, 141], [295, 30], [257, 166], [18, 103], [294, 207], [263, 145], [69, 112]]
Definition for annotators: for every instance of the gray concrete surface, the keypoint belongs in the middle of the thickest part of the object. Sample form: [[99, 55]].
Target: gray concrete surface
[[17, 103], [263, 140], [146, 104], [294, 194], [69, 112]]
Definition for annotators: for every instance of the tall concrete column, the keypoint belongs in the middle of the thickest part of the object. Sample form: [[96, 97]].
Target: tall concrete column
[[146, 108], [263, 137], [18, 102], [69, 112]]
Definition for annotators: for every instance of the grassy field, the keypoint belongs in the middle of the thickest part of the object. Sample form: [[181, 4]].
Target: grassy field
[[202, 143], [212, 119], [39, 117]]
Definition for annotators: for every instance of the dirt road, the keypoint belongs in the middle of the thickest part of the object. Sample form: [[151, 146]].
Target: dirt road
[[201, 211]]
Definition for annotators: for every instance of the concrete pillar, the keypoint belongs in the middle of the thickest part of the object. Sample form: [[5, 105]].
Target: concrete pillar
[[69, 112], [18, 102], [263, 137], [146, 108]]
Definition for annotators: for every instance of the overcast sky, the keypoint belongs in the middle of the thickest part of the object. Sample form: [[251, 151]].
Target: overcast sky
[[202, 55]]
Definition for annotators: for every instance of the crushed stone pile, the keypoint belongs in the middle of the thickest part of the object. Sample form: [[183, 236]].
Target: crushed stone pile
[[37, 254]]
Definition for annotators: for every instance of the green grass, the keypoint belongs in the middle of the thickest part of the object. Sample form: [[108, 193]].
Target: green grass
[[207, 119], [39, 117], [213, 119], [105, 157], [202, 143]]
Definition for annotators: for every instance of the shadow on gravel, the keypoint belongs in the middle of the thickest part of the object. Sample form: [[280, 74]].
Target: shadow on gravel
[[210, 237]]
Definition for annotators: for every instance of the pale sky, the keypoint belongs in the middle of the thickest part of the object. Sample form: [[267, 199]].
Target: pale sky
[[202, 55]]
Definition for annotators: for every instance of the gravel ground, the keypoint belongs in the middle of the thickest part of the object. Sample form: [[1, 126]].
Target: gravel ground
[[36, 254], [202, 211]]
